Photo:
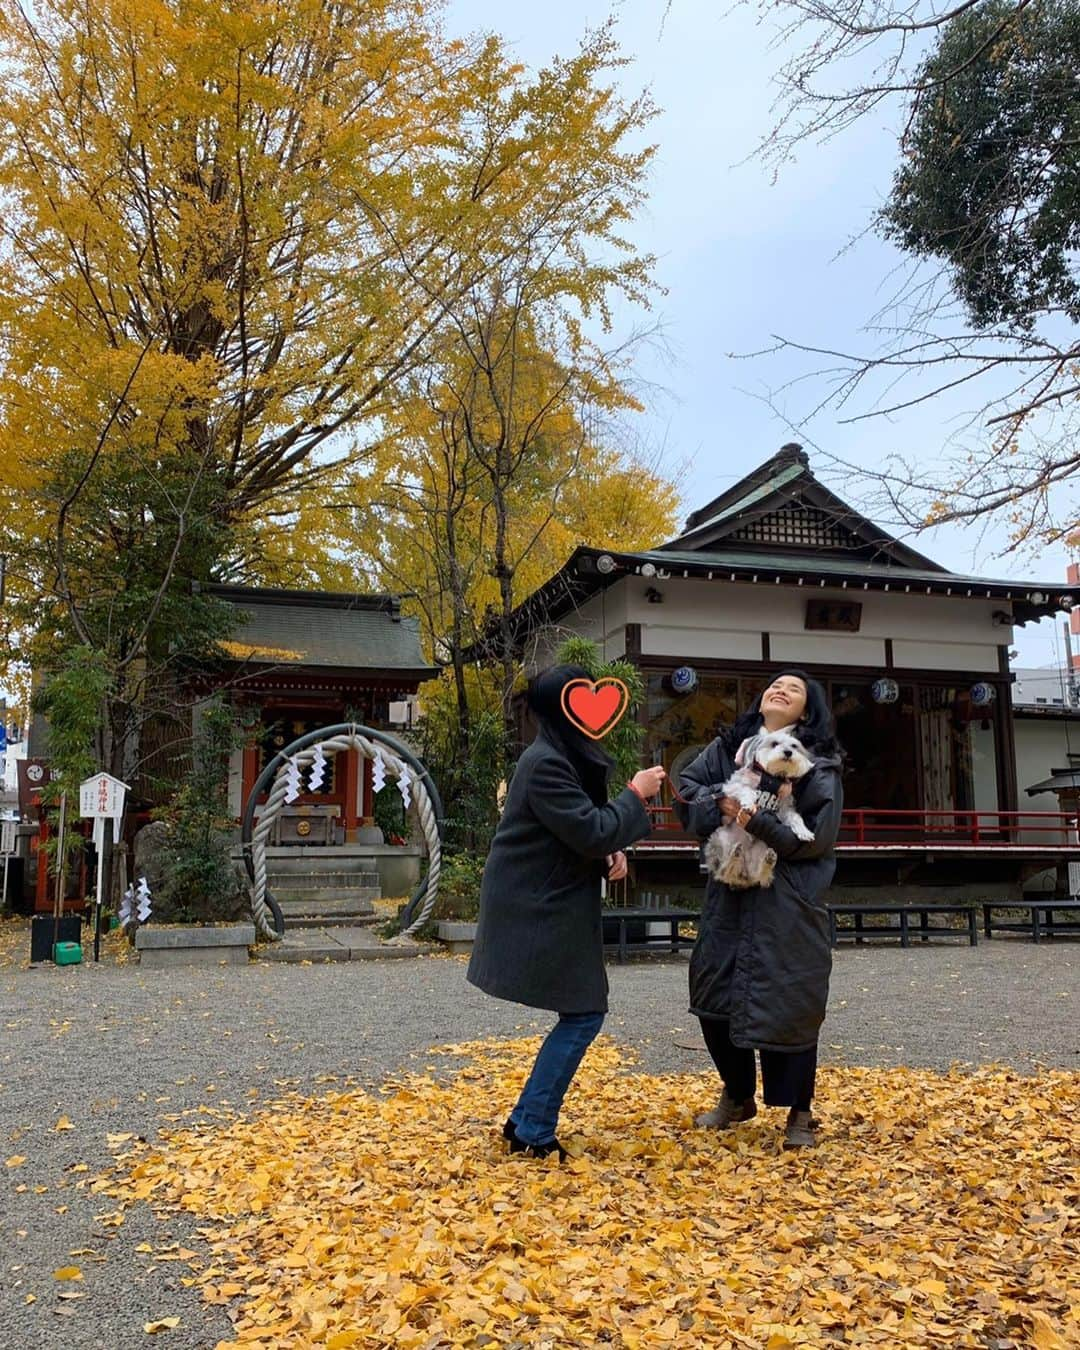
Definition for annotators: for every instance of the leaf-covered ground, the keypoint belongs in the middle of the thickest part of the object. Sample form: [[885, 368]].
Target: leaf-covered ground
[[940, 1210], [15, 944]]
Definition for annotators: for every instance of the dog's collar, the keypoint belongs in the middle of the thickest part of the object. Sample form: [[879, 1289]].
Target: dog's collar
[[767, 801]]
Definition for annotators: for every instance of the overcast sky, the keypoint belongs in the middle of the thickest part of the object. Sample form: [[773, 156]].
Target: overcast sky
[[743, 257]]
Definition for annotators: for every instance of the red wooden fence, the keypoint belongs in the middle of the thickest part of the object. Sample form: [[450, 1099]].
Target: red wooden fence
[[865, 827]]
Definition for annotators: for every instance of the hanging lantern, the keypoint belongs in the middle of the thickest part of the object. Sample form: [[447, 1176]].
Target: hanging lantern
[[885, 691], [982, 694], [684, 680]]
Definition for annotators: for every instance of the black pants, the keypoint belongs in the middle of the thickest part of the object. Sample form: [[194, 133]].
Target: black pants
[[787, 1077]]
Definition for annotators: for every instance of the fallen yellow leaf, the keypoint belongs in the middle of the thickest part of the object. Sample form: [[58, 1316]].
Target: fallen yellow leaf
[[341, 1340], [1045, 1336], [67, 1273], [16, 1160], [64, 1124], [162, 1324], [356, 1219]]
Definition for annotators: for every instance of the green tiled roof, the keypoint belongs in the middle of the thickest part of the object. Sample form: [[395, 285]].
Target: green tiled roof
[[327, 630], [759, 494], [858, 554], [784, 487]]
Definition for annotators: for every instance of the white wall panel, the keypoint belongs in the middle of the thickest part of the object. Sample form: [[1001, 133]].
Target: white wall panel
[[961, 656], [601, 619], [828, 649], [700, 641], [1041, 747], [725, 620]]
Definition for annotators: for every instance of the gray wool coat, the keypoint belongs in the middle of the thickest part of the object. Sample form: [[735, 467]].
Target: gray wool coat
[[539, 939], [763, 957]]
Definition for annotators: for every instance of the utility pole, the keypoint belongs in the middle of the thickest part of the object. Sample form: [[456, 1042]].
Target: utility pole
[[1072, 699]]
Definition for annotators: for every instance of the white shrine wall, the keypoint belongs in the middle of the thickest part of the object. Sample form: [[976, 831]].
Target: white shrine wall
[[703, 620]]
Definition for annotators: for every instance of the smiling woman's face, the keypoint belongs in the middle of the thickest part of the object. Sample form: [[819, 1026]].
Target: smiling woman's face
[[784, 702]]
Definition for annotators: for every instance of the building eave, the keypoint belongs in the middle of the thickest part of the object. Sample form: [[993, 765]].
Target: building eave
[[1062, 780], [246, 596], [240, 672], [579, 580], [1048, 712]]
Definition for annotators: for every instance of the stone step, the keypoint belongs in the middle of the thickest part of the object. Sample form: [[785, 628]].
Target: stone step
[[304, 861], [303, 883], [315, 901], [338, 944], [364, 920], [306, 916], [194, 946]]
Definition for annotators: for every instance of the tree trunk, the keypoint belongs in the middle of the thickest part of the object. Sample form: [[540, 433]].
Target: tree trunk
[[504, 574], [457, 638]]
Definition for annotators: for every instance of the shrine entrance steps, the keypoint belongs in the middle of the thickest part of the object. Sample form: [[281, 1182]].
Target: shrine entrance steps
[[337, 943], [325, 899]]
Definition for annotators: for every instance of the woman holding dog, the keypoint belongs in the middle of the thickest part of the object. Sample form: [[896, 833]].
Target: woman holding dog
[[759, 973], [539, 940]]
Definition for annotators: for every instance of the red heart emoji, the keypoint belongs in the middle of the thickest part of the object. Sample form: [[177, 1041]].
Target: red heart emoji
[[595, 708]]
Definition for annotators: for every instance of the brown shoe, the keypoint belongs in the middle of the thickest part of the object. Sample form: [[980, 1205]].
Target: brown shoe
[[801, 1131], [727, 1112]]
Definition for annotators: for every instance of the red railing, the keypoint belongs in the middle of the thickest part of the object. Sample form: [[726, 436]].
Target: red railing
[[867, 827], [990, 828]]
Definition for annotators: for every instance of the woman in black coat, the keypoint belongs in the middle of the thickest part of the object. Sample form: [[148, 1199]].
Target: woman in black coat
[[539, 940], [759, 973]]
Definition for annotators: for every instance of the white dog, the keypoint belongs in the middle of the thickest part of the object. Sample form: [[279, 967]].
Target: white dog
[[733, 855]]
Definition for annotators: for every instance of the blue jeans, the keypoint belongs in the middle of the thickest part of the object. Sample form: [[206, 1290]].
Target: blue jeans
[[536, 1116]]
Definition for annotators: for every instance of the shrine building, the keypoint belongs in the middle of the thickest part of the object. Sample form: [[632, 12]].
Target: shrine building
[[777, 571], [301, 660]]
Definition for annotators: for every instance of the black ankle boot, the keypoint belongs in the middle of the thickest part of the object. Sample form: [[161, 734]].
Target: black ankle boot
[[537, 1150], [508, 1129]]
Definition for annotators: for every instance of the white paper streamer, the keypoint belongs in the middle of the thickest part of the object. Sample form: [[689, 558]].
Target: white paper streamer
[[292, 781], [378, 772], [404, 785], [318, 770], [143, 893]]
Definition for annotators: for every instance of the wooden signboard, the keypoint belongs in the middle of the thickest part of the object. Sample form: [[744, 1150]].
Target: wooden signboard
[[833, 616], [34, 775]]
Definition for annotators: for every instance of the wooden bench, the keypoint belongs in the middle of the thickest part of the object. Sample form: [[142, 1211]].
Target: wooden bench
[[672, 941], [1040, 923], [905, 929]]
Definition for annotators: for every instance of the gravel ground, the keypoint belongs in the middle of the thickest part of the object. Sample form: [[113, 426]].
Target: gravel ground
[[114, 1049]]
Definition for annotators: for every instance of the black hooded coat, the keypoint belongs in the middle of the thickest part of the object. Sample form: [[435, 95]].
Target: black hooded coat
[[539, 938], [763, 957]]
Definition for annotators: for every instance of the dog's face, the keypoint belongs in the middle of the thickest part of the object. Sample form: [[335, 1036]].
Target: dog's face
[[779, 753]]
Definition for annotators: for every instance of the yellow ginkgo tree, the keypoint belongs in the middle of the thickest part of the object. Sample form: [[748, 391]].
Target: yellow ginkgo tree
[[508, 463], [233, 233]]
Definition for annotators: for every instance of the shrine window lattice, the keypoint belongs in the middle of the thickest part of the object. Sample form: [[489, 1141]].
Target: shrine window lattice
[[799, 526]]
